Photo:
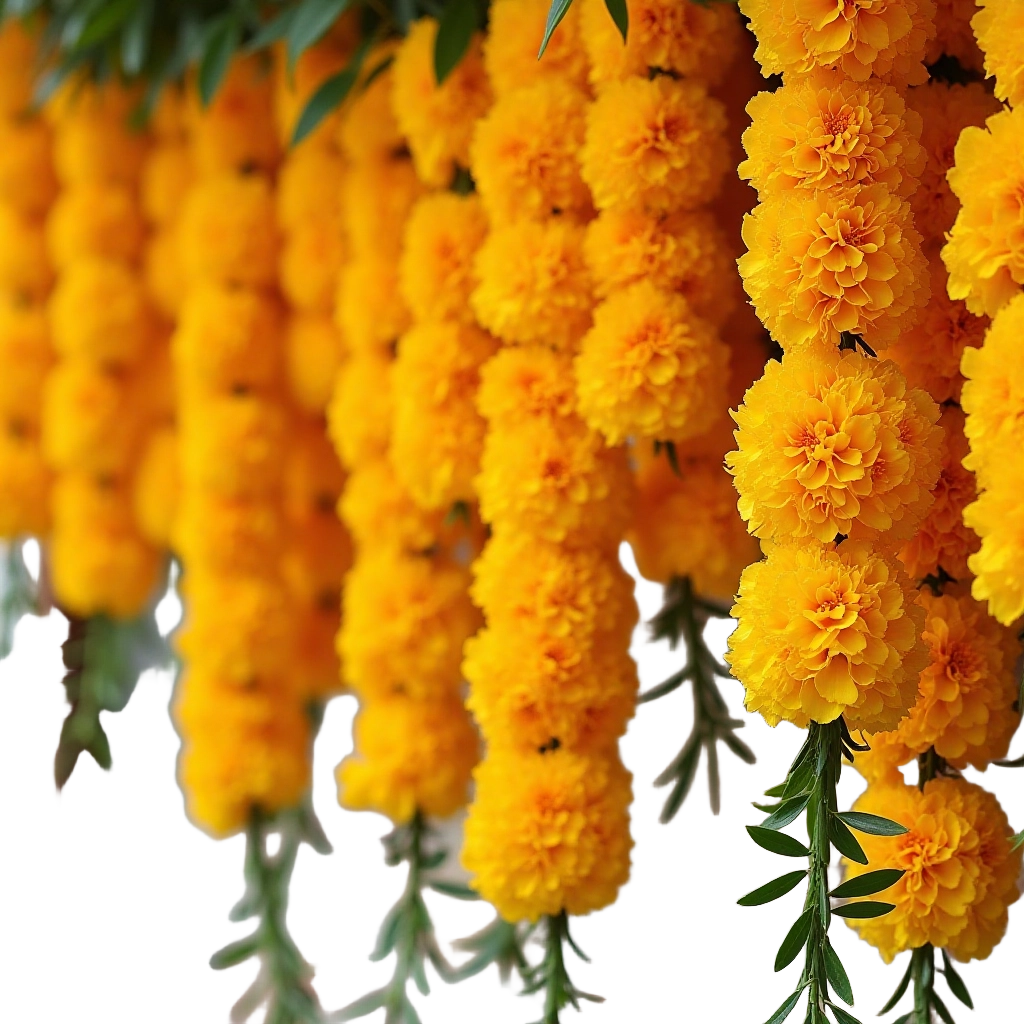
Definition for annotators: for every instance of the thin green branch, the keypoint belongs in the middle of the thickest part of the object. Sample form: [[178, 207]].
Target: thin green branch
[[551, 976]]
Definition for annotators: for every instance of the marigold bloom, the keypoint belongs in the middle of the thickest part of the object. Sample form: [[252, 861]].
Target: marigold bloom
[[370, 312], [999, 28], [821, 263], [163, 274], [884, 38], [25, 268], [650, 367], [359, 415], [534, 284], [166, 180], [960, 874], [525, 154], [308, 187], [437, 120], [410, 756], [523, 383], [26, 357], [24, 485], [311, 258], [826, 130], [313, 353], [368, 133], [549, 832], [985, 251], [27, 180], [313, 478], [18, 54], [228, 536], [93, 143], [657, 144], [833, 443], [156, 487], [827, 631], [376, 199]]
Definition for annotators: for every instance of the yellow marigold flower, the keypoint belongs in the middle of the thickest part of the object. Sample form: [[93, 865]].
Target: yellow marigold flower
[[526, 382], [228, 339], [27, 180], [960, 874], [316, 669], [18, 55], [826, 130], [370, 311], [313, 353], [368, 133], [166, 179], [555, 481], [405, 618], [437, 120], [313, 478], [687, 40], [26, 358], [163, 273], [999, 28], [834, 443], [232, 444], [687, 524], [154, 384], [359, 415], [92, 142], [24, 482], [376, 200], [525, 154], [942, 539], [658, 144], [827, 631], [549, 832], [156, 487], [409, 756], [556, 691], [515, 31], [650, 367], [820, 263], [521, 582], [881, 764], [534, 287], [985, 251], [311, 258], [436, 272], [228, 232], [997, 517], [437, 433], [945, 111], [993, 394], [25, 269], [884, 38], [953, 35], [318, 556], [228, 537], [308, 187], [683, 252]]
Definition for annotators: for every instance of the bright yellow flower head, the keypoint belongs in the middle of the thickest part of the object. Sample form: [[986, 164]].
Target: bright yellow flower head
[[436, 272], [549, 832], [437, 433], [860, 38], [26, 357], [24, 485], [523, 383], [534, 287], [166, 179], [824, 262], [827, 130], [370, 312], [311, 258], [437, 120], [985, 251], [409, 756], [308, 187], [942, 539], [827, 631], [313, 353], [687, 524], [650, 368], [228, 537], [376, 199], [960, 875], [27, 179], [525, 153], [687, 40], [658, 144], [156, 487], [359, 416], [94, 220], [999, 27], [162, 273], [25, 269], [833, 443], [368, 133], [882, 762]]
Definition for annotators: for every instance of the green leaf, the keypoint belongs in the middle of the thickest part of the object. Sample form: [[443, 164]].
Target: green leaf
[[235, 953], [455, 890], [864, 910], [800, 780], [955, 982], [17, 594], [940, 1008], [1017, 841], [795, 940], [388, 934], [107, 19], [905, 1019], [331, 94], [836, 974], [362, 1007], [845, 841], [271, 31], [788, 810], [901, 988], [221, 44], [841, 1016], [867, 884], [459, 20], [556, 12], [777, 842], [872, 824], [620, 15], [312, 20], [772, 890], [785, 1009], [775, 791], [135, 37]]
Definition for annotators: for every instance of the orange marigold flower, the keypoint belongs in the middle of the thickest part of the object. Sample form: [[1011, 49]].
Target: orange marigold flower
[[313, 353], [827, 631], [156, 487], [376, 200], [999, 28], [525, 153], [650, 367], [311, 258], [534, 284], [523, 383], [229, 537], [960, 875], [953, 36], [368, 133], [833, 443], [884, 38], [549, 832], [25, 269], [27, 179], [162, 273], [822, 263], [166, 179], [826, 130], [26, 357], [19, 52], [24, 483], [657, 144], [359, 414], [437, 120], [370, 311], [308, 187]]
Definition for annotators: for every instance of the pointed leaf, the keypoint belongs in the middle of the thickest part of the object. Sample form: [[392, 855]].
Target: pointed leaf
[[135, 37], [836, 974], [845, 841], [235, 953], [777, 842], [940, 1008], [1017, 842], [312, 20], [273, 30], [556, 13], [220, 48], [867, 884], [863, 911], [459, 20], [455, 890], [785, 1009], [739, 748], [788, 811], [901, 988], [331, 94], [620, 15], [794, 941], [955, 982], [872, 824], [841, 1016], [905, 1019], [362, 1007], [776, 791], [772, 890], [107, 19]]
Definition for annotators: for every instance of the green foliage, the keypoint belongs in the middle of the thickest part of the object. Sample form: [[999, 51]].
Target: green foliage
[[551, 977], [620, 15], [330, 95], [921, 971], [19, 595], [459, 20]]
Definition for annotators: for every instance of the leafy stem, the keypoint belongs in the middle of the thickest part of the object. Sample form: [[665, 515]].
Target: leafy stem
[[921, 972], [551, 976]]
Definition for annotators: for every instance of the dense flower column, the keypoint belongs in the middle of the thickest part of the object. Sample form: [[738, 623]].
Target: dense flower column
[[98, 401], [27, 189]]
